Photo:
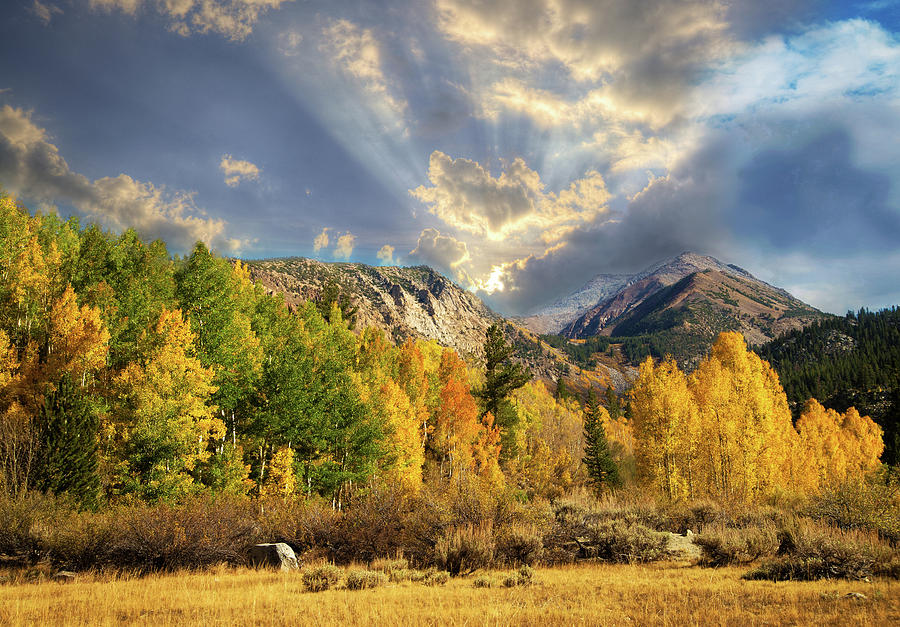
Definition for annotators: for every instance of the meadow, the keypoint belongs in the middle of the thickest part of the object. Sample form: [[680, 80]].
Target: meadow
[[668, 593]]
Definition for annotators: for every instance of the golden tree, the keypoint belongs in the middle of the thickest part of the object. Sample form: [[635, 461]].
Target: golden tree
[[664, 419]]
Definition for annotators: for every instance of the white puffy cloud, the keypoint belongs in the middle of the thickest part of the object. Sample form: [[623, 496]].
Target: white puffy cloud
[[236, 170], [465, 196], [234, 19], [444, 252], [358, 54], [321, 240], [32, 168], [344, 246], [385, 254]]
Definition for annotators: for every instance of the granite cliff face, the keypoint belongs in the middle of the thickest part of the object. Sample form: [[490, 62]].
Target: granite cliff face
[[415, 302]]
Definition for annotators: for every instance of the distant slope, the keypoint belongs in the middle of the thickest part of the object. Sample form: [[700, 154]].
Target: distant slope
[[413, 302], [554, 317], [642, 285], [842, 362], [680, 306], [417, 303]]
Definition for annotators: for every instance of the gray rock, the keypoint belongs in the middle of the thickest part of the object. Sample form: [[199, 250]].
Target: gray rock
[[64, 576], [276, 555]]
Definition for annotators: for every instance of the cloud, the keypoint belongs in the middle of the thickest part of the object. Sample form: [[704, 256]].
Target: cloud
[[32, 168], [358, 54], [444, 252], [233, 19], [385, 254], [641, 55], [236, 170], [45, 12], [464, 195], [344, 247], [321, 241], [289, 43]]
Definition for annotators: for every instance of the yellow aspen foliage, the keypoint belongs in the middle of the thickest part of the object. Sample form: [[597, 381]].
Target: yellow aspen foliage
[[281, 480], [403, 421], [550, 443], [78, 338], [664, 418], [835, 447], [749, 441], [486, 452], [862, 442]]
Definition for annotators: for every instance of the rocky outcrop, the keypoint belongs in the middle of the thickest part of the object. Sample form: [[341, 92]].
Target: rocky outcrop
[[412, 302], [275, 555]]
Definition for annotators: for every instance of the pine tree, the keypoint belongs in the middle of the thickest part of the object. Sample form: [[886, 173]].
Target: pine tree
[[598, 459], [69, 460], [501, 378]]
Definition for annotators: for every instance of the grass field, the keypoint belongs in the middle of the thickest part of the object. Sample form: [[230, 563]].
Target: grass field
[[667, 594]]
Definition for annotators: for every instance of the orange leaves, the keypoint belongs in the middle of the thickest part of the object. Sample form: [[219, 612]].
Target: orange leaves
[[461, 441]]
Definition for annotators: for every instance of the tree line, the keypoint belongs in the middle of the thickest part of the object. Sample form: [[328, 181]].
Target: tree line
[[128, 374]]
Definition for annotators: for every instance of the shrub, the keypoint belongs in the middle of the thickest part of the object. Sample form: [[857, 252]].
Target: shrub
[[22, 521], [436, 578], [386, 565], [721, 546], [872, 503], [617, 541], [321, 577], [362, 579], [420, 575], [201, 532], [811, 552], [465, 549], [520, 544], [522, 577], [483, 581]]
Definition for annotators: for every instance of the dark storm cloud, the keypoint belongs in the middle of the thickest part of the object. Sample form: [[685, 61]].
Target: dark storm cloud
[[814, 198]]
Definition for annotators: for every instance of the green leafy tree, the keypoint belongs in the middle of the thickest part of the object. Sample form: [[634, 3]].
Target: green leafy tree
[[598, 458]]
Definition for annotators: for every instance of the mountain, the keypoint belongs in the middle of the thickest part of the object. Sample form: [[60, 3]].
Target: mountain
[[420, 303], [553, 318], [681, 305], [638, 287], [415, 302]]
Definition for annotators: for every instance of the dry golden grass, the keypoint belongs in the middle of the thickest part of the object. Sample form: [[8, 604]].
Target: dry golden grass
[[590, 594]]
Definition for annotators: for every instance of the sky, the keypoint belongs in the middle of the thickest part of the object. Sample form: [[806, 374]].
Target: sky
[[521, 147]]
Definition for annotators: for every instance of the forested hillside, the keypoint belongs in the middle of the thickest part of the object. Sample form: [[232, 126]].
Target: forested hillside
[[844, 362], [129, 375]]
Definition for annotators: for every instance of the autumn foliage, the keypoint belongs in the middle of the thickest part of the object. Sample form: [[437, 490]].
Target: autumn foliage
[[725, 431], [147, 378]]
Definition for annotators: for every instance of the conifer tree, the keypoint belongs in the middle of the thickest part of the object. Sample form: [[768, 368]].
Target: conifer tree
[[501, 378], [598, 459], [69, 460]]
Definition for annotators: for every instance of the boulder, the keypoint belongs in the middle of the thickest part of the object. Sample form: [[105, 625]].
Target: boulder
[[275, 555]]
